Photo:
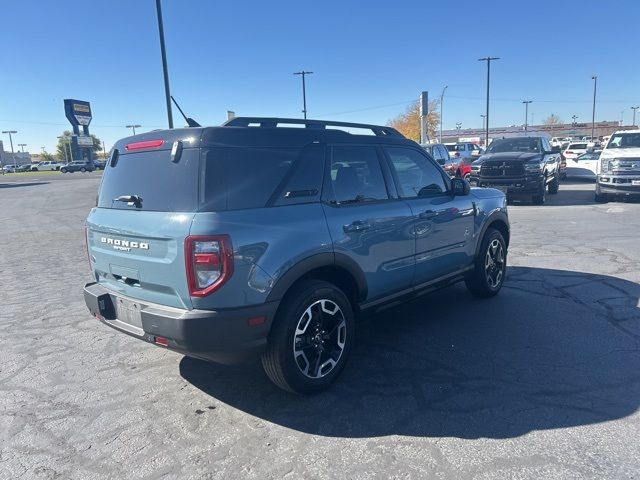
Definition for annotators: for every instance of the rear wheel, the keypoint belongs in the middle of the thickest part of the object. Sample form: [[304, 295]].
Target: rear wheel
[[83, 169], [490, 266], [310, 339], [63, 170], [554, 186]]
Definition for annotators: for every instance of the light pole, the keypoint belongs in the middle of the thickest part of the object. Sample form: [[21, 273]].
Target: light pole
[[488, 60], [593, 115], [104, 150], [526, 115], [133, 127], [22, 145], [304, 91], [441, 107], [64, 147], [483, 119], [634, 115], [11, 142], [574, 120], [165, 69]]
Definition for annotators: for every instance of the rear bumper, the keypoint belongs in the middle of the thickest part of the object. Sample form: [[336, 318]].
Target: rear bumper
[[223, 336]]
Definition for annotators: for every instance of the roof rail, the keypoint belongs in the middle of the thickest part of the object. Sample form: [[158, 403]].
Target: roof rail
[[269, 122]]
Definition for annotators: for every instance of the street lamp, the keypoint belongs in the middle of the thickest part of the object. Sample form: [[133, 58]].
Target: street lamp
[[574, 120], [11, 142], [133, 127], [22, 145], [593, 116], [441, 106], [304, 91], [526, 115], [483, 118], [634, 115], [488, 60]]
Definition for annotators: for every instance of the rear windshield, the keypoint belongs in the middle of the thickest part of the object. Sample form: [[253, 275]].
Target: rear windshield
[[577, 146], [160, 184], [214, 179], [451, 148]]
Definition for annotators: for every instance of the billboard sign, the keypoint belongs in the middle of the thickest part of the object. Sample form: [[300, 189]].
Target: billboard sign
[[78, 112], [85, 141]]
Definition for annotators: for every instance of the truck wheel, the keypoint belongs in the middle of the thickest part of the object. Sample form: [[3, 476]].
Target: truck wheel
[[34, 169], [310, 339], [63, 170], [600, 197], [83, 169], [554, 186], [540, 198], [490, 266]]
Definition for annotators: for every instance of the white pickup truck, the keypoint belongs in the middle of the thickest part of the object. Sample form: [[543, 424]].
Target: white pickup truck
[[619, 167], [43, 166]]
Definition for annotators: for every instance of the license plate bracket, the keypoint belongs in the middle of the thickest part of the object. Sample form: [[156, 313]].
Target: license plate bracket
[[128, 312]]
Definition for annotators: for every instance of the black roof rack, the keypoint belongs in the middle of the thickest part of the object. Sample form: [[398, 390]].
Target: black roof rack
[[269, 122]]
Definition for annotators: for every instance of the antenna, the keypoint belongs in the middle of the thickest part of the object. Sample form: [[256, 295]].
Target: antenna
[[190, 121]]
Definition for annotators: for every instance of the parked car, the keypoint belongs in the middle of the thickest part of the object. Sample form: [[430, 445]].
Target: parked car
[[455, 167], [574, 149], [520, 166], [8, 169], [99, 164], [79, 166], [561, 142], [464, 150], [191, 253], [619, 166], [584, 165], [47, 166]]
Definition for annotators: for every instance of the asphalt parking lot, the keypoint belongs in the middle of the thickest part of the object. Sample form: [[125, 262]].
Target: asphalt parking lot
[[542, 381]]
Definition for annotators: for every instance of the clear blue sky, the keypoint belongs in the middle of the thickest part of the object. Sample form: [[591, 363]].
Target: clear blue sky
[[370, 59]]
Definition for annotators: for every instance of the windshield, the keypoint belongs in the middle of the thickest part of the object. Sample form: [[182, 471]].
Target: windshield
[[624, 140], [514, 145]]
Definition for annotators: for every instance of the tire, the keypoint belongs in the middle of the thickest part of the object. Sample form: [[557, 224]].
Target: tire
[[34, 169], [63, 170], [599, 196], [83, 169], [316, 305], [540, 198], [467, 176], [554, 186], [484, 284]]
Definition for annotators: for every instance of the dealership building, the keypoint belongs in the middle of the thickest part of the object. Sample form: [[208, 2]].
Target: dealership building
[[16, 158], [573, 130]]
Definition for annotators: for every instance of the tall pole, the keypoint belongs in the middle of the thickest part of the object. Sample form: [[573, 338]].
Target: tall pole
[[526, 115], [574, 120], [133, 127], [593, 116], [22, 145], [441, 109], [64, 148], [483, 118], [11, 142], [304, 91], [634, 115], [165, 70], [70, 151], [488, 60]]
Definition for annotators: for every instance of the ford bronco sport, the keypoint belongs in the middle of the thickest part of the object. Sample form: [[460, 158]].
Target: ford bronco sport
[[258, 237]]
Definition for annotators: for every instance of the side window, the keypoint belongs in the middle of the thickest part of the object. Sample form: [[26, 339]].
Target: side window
[[416, 175], [356, 175], [545, 145], [303, 184], [444, 152]]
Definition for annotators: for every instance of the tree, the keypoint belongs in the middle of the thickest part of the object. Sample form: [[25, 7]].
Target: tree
[[552, 119], [63, 145], [408, 123], [47, 157]]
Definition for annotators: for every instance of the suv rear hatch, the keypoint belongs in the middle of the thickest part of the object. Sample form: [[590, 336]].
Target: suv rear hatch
[[148, 198]]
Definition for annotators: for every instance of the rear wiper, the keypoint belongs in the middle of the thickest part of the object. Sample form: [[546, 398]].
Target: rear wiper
[[131, 200]]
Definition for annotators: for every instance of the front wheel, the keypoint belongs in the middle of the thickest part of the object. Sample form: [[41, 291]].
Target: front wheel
[[540, 198], [311, 338], [600, 197], [83, 169], [554, 186], [490, 266], [63, 170]]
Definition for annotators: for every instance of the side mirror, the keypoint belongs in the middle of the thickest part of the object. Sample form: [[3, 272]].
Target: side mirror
[[460, 187]]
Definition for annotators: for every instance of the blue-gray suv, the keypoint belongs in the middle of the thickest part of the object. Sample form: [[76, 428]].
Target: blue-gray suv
[[270, 236]]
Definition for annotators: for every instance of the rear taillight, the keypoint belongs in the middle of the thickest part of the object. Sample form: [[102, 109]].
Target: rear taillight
[[209, 263]]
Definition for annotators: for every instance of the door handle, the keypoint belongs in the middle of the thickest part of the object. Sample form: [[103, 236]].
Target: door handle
[[427, 214], [357, 226]]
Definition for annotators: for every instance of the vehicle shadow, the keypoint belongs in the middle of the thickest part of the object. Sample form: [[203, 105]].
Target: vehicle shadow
[[555, 349], [21, 184]]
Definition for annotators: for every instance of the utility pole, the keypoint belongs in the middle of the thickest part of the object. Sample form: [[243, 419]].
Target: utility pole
[[165, 69], [22, 145], [488, 60], [483, 119], [304, 91], [441, 107], [13, 156], [574, 120], [104, 150], [526, 115], [593, 116], [634, 115], [133, 127]]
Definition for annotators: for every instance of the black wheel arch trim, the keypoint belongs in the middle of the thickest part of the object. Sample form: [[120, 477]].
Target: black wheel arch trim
[[328, 259], [497, 216]]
